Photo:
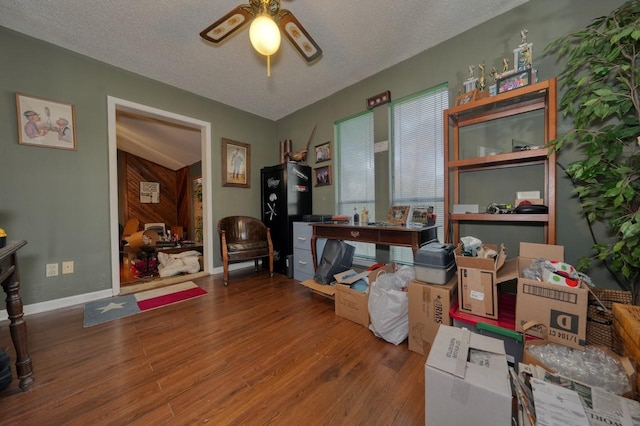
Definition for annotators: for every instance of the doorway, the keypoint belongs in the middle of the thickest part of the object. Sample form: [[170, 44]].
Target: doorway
[[113, 106]]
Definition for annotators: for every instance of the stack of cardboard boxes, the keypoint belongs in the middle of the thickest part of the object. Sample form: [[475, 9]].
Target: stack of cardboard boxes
[[473, 289], [562, 310]]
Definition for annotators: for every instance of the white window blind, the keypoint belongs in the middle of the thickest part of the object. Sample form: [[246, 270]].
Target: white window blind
[[356, 171], [417, 158]]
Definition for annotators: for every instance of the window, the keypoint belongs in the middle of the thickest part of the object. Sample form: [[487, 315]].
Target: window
[[417, 156], [356, 171]]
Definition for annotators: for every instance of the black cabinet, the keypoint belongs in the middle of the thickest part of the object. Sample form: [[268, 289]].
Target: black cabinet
[[286, 196]]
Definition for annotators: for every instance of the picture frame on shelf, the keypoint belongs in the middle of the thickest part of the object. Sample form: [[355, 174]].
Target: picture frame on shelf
[[470, 84], [322, 176], [398, 215], [236, 164], [45, 122], [323, 152], [467, 97], [514, 81], [422, 216]]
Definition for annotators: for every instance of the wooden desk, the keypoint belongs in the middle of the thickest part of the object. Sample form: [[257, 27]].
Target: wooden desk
[[10, 280], [385, 235]]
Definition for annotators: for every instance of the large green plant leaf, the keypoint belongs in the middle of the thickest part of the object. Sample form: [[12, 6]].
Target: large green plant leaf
[[601, 95]]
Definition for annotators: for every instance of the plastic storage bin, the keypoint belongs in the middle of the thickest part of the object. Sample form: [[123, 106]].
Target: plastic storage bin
[[435, 263], [503, 328]]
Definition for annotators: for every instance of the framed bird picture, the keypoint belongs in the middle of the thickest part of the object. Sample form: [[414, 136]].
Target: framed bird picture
[[323, 152], [45, 122]]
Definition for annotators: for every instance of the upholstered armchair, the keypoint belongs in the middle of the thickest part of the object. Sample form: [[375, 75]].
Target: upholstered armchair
[[244, 238]]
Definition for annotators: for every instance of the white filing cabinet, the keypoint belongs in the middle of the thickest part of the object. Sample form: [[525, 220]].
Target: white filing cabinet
[[302, 260]]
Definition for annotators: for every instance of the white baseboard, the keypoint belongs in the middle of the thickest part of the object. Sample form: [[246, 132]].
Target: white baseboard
[[65, 302]]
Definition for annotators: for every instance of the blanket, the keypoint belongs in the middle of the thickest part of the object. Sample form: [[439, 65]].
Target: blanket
[[174, 264]]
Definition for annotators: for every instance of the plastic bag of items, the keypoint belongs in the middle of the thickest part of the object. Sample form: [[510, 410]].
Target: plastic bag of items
[[593, 366], [473, 247], [389, 305]]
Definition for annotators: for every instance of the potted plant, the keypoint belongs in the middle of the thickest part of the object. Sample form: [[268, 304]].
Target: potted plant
[[602, 95]]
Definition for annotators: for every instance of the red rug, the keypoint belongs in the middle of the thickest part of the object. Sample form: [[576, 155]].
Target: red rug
[[152, 299]]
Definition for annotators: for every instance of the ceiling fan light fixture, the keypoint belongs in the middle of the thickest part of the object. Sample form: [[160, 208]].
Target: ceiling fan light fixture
[[264, 35], [267, 22]]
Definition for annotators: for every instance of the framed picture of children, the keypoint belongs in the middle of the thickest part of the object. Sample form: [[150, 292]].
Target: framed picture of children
[[322, 176], [45, 122]]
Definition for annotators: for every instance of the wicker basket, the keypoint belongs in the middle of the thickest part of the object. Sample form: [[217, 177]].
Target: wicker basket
[[600, 317]]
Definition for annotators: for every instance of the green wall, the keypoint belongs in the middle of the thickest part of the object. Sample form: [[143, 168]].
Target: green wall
[[448, 62], [58, 200]]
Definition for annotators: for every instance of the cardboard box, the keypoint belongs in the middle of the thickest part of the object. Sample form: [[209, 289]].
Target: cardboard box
[[626, 330], [352, 304], [326, 290], [429, 306], [461, 392], [562, 310], [478, 280]]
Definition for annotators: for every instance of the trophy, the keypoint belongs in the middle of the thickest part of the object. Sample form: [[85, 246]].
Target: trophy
[[523, 54], [482, 82], [470, 83]]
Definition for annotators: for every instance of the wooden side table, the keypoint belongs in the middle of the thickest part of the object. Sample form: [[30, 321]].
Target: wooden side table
[[10, 280]]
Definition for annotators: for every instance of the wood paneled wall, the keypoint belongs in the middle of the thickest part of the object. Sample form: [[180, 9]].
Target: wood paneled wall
[[183, 193], [173, 208]]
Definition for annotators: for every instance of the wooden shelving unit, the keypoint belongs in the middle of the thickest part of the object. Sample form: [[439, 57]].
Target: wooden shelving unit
[[536, 97]]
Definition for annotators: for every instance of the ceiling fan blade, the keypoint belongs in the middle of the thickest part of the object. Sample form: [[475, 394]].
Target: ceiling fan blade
[[298, 36], [228, 24]]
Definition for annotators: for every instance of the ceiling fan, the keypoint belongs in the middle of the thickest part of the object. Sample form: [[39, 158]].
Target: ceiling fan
[[260, 12]]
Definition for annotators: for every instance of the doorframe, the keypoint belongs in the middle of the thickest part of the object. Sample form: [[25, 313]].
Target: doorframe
[[115, 104]]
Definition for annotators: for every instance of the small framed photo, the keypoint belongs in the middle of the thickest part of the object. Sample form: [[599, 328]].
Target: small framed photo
[[465, 98], [236, 164], [323, 152], [149, 192], [470, 84], [322, 176], [514, 81], [398, 215], [423, 215], [44, 122]]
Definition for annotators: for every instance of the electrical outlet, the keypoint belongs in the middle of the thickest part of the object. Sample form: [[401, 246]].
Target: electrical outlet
[[52, 269], [67, 267]]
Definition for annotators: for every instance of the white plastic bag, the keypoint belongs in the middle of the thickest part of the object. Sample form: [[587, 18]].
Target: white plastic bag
[[389, 306]]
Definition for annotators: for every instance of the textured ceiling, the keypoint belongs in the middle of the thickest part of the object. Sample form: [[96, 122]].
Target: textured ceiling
[[159, 39]]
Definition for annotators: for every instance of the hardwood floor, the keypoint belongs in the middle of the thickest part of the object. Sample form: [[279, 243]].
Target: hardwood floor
[[261, 351]]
